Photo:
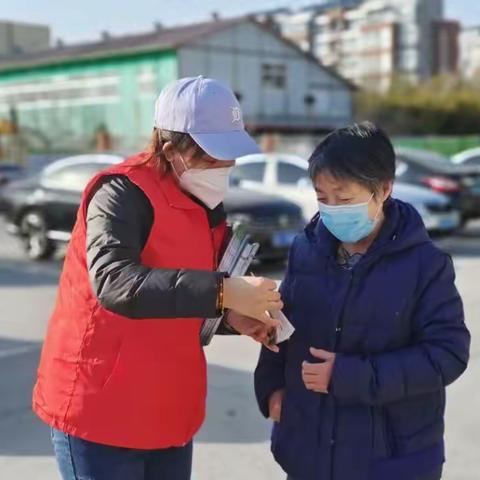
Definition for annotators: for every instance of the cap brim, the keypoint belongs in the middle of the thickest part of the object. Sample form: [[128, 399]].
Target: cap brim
[[226, 145]]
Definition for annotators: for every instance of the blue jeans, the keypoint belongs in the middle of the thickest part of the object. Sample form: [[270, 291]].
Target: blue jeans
[[83, 460]]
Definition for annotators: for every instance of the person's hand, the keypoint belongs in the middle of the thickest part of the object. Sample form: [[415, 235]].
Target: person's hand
[[317, 376], [252, 328], [252, 297], [275, 405]]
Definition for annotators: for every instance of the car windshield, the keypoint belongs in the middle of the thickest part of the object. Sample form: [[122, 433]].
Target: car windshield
[[426, 157], [72, 177]]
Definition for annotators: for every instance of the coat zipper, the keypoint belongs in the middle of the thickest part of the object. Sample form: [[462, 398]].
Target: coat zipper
[[338, 332], [340, 322]]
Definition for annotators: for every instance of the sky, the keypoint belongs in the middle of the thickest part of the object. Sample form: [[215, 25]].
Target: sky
[[85, 19]]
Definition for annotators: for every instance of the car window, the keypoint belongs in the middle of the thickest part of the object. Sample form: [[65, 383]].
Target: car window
[[426, 160], [289, 174], [472, 161], [254, 172], [73, 177]]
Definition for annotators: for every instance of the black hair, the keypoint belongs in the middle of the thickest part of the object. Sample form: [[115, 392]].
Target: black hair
[[361, 152]]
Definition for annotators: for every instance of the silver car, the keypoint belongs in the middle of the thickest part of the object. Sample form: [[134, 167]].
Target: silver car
[[436, 210], [287, 175], [468, 157]]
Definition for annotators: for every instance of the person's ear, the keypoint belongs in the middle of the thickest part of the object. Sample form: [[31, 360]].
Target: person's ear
[[387, 190], [169, 151]]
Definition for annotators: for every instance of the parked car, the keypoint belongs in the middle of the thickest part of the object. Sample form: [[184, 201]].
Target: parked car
[[287, 175], [280, 174], [461, 183], [41, 210], [270, 220], [468, 157], [10, 172], [437, 211]]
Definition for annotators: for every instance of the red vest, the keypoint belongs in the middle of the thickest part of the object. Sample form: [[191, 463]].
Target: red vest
[[116, 381]]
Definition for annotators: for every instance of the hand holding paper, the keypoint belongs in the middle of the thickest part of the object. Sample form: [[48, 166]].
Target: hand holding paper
[[285, 329], [253, 297]]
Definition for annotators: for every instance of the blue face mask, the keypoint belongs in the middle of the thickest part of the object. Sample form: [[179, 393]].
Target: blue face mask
[[348, 223]]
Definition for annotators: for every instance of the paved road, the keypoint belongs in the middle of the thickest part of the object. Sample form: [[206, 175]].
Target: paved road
[[233, 444]]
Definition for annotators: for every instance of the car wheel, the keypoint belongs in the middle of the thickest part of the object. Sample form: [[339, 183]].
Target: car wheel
[[34, 233]]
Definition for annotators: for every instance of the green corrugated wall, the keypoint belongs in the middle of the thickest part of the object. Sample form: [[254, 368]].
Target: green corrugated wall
[[72, 127]]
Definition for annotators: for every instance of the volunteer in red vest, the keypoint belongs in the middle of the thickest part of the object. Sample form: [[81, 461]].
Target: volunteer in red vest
[[122, 375]]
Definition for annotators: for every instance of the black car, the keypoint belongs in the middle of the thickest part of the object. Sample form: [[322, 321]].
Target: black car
[[461, 183], [10, 172], [41, 210], [269, 220]]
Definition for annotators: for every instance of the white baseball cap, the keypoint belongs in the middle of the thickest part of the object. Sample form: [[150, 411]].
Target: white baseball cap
[[209, 112]]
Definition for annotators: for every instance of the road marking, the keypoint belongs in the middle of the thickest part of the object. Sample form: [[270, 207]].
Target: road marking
[[13, 352], [17, 267]]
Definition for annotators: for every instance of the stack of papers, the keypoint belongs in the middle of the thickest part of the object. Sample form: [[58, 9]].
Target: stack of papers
[[236, 260], [239, 253]]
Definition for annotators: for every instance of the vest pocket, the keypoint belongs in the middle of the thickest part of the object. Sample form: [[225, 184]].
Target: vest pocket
[[100, 353], [95, 374], [114, 366]]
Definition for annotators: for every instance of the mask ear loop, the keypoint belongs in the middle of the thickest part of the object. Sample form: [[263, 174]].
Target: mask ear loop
[[184, 166], [375, 218], [183, 161]]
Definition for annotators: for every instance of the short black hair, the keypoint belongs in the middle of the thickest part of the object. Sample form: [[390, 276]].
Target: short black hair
[[361, 152]]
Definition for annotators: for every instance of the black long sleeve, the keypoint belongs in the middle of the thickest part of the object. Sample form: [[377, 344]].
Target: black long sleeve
[[119, 219]]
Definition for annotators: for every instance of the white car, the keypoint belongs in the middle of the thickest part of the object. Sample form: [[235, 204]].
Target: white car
[[279, 174], [468, 157], [287, 175]]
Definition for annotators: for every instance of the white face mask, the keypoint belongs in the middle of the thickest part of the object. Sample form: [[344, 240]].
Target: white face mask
[[208, 185]]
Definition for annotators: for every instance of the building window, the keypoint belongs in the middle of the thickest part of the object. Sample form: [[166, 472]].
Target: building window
[[309, 100], [147, 82], [274, 76]]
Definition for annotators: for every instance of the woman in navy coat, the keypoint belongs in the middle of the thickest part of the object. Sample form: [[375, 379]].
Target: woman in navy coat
[[358, 391]]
